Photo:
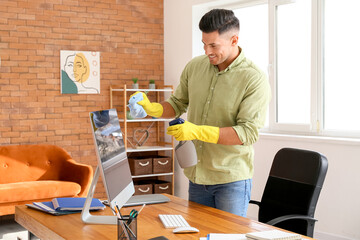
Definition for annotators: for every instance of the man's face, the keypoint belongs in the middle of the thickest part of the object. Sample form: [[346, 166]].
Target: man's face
[[219, 48]]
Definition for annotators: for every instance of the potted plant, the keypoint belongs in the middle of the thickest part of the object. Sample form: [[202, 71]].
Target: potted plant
[[151, 84], [135, 85]]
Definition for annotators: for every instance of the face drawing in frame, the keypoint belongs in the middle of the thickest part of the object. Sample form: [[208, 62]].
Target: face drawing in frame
[[75, 74]]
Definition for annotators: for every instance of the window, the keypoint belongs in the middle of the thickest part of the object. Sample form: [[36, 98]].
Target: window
[[310, 49], [341, 64], [293, 61], [313, 54]]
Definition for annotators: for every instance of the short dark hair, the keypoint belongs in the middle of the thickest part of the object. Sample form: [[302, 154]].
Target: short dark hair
[[221, 20]]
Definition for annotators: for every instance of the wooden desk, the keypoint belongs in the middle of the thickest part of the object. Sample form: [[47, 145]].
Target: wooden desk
[[206, 219]]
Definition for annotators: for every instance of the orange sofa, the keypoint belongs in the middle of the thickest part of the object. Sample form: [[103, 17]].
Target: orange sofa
[[33, 173]]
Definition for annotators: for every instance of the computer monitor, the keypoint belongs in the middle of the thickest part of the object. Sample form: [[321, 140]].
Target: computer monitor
[[113, 165]]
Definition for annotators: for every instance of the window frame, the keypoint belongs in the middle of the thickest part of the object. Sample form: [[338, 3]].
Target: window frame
[[316, 126], [274, 126]]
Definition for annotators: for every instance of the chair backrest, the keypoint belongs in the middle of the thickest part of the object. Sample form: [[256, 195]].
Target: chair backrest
[[293, 187]]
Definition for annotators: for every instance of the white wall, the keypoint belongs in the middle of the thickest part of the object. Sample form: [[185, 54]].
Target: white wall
[[338, 209]]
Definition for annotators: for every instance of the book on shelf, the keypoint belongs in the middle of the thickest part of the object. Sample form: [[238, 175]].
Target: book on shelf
[[273, 235], [75, 204]]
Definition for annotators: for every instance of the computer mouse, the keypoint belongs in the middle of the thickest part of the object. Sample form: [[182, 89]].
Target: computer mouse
[[185, 230]]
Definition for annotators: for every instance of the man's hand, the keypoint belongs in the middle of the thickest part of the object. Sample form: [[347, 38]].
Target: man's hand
[[152, 109], [190, 131]]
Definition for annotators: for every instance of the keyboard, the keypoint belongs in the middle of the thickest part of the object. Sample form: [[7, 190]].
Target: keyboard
[[146, 199], [173, 221]]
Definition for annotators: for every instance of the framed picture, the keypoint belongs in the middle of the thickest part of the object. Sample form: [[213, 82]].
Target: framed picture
[[80, 72]]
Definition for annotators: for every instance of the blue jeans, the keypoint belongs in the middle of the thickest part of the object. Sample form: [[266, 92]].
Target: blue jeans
[[230, 197]]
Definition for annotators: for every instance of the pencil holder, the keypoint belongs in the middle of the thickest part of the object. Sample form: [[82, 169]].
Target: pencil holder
[[127, 230]]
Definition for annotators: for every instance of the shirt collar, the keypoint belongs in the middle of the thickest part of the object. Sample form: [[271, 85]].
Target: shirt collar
[[235, 63]]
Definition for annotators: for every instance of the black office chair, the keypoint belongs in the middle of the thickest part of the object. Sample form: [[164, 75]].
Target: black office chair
[[292, 190]]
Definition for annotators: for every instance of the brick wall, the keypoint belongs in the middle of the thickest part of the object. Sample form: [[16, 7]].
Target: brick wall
[[127, 33]]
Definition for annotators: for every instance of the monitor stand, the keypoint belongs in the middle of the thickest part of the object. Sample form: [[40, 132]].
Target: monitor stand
[[86, 216]]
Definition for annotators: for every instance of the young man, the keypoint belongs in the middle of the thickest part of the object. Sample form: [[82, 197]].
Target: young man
[[226, 97]]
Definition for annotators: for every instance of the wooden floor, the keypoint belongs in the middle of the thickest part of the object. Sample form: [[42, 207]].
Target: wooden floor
[[9, 229]]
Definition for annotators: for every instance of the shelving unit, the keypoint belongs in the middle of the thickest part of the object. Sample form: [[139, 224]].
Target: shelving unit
[[161, 147]]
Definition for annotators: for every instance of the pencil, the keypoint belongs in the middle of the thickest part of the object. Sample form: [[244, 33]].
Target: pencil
[[141, 208]]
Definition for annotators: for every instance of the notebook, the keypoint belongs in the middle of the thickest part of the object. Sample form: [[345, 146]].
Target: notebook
[[48, 207], [76, 203], [273, 235]]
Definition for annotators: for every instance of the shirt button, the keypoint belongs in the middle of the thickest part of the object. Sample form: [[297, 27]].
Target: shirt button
[[208, 102]]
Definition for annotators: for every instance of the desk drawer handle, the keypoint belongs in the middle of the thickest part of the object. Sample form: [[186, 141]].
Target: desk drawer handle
[[144, 191], [163, 188], [144, 164], [163, 163]]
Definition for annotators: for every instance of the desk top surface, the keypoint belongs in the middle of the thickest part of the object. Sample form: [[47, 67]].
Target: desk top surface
[[206, 219]]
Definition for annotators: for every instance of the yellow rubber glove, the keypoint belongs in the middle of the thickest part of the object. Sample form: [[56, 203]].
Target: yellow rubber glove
[[190, 131], [152, 109]]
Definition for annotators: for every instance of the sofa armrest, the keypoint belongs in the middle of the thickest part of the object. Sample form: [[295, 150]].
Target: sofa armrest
[[79, 173]]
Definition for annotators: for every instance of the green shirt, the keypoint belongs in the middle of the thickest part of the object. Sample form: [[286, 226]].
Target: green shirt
[[236, 97]]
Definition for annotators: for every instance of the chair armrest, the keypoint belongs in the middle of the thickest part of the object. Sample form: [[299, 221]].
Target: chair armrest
[[289, 217], [79, 173], [255, 202]]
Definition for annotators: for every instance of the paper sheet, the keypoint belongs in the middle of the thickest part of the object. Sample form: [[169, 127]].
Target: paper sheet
[[226, 236]]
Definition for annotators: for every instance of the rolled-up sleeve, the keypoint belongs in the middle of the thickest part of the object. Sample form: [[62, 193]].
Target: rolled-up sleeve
[[253, 109]]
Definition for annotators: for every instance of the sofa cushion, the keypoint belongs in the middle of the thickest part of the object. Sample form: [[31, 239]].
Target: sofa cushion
[[33, 190]]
